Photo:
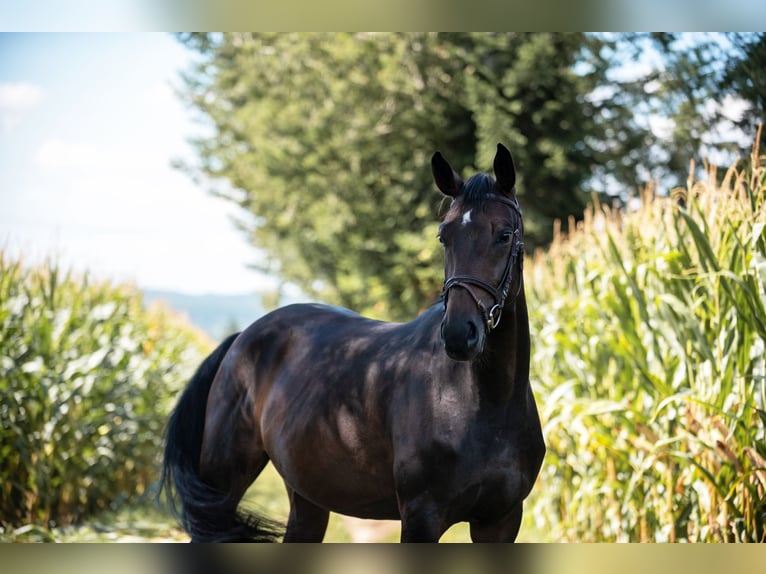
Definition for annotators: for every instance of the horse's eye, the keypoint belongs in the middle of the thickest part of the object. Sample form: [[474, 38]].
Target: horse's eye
[[440, 238], [505, 237]]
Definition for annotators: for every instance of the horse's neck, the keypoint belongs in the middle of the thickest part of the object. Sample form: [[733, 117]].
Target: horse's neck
[[503, 370]]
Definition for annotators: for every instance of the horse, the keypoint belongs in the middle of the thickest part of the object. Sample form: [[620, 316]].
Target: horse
[[430, 422]]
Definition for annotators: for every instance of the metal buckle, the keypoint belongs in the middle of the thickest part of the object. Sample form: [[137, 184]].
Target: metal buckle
[[494, 316]]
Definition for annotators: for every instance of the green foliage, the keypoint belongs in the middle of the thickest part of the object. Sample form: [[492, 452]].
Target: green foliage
[[569, 127], [648, 362], [745, 76], [324, 140], [709, 89], [86, 383]]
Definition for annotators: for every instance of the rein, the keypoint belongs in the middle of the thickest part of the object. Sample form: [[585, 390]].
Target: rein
[[500, 292]]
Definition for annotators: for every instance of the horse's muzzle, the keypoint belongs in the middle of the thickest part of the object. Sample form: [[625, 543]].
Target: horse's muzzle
[[463, 339]]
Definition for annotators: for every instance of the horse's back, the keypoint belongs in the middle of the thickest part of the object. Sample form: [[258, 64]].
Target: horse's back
[[326, 333], [307, 320]]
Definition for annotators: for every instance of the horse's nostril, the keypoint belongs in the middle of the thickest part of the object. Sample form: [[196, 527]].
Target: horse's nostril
[[473, 334]]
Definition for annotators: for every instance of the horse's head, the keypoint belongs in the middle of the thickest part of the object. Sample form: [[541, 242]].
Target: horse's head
[[483, 252]]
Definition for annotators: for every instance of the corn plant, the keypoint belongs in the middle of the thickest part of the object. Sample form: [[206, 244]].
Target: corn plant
[[648, 359], [86, 380]]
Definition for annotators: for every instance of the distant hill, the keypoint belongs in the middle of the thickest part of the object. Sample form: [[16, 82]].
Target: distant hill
[[216, 315]]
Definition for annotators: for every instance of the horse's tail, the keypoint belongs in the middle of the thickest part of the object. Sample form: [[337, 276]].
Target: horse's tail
[[206, 513]]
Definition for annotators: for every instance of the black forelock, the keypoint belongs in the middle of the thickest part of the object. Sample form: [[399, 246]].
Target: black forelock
[[478, 189]]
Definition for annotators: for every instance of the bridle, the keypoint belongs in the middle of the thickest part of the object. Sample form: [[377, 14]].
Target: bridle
[[500, 292]]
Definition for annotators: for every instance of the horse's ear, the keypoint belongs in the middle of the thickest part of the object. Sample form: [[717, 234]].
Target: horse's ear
[[447, 180], [505, 173]]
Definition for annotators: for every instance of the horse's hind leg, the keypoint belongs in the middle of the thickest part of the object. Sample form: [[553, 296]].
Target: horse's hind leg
[[232, 452], [307, 522], [232, 457], [232, 476]]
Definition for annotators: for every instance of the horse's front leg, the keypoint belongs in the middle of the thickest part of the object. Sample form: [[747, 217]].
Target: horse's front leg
[[504, 529], [421, 482], [421, 520]]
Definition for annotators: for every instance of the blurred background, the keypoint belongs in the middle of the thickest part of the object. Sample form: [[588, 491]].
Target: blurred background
[[159, 191]]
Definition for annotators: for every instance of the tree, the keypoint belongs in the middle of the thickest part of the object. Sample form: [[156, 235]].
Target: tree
[[709, 89], [745, 76], [570, 126], [326, 139]]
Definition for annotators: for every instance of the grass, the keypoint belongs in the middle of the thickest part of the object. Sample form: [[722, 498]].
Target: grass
[[144, 522], [141, 522]]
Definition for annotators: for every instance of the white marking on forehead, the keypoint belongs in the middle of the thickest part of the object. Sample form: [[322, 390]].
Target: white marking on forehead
[[466, 217]]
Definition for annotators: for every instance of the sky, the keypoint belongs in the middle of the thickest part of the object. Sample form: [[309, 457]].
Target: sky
[[89, 127]]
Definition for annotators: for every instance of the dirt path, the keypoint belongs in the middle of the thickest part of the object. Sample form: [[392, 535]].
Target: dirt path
[[371, 530]]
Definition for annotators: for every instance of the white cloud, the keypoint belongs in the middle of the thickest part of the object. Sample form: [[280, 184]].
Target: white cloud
[[19, 96], [16, 99]]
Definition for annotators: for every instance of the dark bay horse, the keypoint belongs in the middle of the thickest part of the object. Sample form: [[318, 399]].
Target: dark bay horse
[[431, 422]]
